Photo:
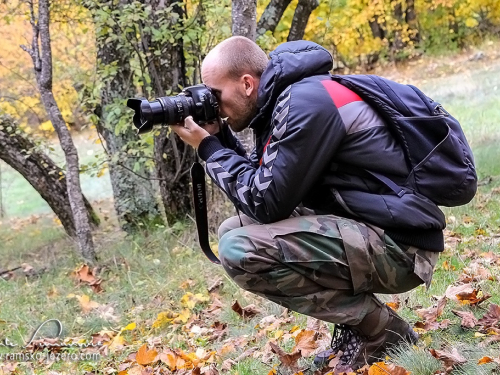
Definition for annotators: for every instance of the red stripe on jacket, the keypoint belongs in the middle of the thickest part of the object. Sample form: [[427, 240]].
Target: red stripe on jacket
[[267, 144], [340, 95]]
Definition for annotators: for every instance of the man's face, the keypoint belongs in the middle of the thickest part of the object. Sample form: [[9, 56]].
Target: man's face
[[236, 100]]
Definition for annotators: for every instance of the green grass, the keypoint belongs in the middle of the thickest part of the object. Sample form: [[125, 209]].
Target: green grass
[[142, 275]]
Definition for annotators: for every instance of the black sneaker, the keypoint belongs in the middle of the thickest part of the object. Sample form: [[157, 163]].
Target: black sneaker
[[340, 338], [363, 350]]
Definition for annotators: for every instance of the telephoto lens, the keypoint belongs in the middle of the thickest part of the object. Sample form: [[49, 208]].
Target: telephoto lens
[[197, 101]]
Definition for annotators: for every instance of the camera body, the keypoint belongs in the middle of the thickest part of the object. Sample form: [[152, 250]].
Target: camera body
[[197, 101]]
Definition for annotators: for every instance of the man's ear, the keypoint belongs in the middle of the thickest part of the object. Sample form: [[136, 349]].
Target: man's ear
[[250, 84]]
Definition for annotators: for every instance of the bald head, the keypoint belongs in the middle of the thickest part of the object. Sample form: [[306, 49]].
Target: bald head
[[236, 56]]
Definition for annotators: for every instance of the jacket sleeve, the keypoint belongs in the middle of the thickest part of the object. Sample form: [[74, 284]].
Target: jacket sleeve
[[227, 139], [307, 130]]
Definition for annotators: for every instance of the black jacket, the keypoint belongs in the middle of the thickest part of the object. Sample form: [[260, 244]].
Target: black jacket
[[308, 125]]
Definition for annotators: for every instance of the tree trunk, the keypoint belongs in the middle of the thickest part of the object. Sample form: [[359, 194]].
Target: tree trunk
[[244, 16], [411, 20], [134, 194], [173, 162], [41, 172], [300, 18], [42, 60], [397, 43], [377, 29], [173, 157], [272, 16]]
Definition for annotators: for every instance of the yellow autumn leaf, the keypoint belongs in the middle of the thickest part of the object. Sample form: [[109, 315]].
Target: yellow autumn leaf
[[294, 328], [163, 318], [129, 327], [190, 300], [182, 317], [393, 305], [85, 303], [117, 343], [191, 357], [169, 358], [420, 331], [480, 232]]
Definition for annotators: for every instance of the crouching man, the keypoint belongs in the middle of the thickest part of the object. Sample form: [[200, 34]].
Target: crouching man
[[312, 236]]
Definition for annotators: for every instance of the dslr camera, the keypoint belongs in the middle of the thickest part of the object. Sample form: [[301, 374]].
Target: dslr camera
[[197, 101]]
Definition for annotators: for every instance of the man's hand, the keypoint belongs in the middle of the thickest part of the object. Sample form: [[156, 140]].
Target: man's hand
[[192, 134]]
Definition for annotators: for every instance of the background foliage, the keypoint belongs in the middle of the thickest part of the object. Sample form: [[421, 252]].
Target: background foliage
[[342, 26]]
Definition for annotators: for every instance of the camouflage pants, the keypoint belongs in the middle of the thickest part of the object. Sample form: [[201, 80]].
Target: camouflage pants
[[324, 266]]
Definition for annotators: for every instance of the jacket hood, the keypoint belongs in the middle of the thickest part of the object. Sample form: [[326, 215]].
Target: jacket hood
[[290, 62]]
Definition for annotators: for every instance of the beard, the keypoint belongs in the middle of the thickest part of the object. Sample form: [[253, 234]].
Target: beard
[[247, 109]]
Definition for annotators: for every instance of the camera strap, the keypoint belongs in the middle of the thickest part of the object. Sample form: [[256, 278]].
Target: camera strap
[[200, 210]]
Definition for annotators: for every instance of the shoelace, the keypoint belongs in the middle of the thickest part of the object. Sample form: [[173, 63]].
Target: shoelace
[[351, 349], [341, 335]]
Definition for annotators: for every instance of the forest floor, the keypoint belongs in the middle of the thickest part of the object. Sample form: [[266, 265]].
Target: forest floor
[[155, 305]]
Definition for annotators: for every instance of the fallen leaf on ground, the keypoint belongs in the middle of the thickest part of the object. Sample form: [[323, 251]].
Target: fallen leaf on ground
[[476, 272], [468, 318], [117, 343], [382, 368], [245, 312], [209, 370], [491, 317], [450, 359], [473, 299], [489, 341], [305, 342], [169, 358], [453, 290], [190, 300], [189, 283], [432, 313], [145, 356], [287, 360], [85, 275], [215, 285], [484, 360], [85, 303], [432, 325]]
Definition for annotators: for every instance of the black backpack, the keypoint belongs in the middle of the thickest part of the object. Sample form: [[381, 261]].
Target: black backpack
[[439, 158]]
